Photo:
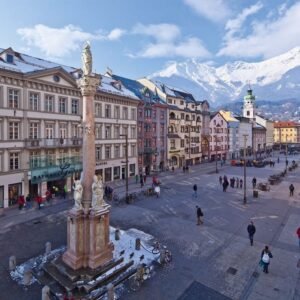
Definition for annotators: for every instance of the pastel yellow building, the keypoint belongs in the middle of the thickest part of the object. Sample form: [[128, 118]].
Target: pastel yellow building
[[286, 132]]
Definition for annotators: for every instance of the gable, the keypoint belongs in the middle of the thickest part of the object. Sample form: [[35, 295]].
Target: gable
[[55, 79]]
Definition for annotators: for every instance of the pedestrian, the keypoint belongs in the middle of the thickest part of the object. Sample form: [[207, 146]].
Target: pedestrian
[[199, 215], [157, 191], [48, 196], [254, 182], [220, 180], [298, 233], [278, 160], [141, 181], [224, 186], [286, 162], [237, 182], [195, 188], [65, 191], [39, 200], [136, 178], [28, 201], [265, 259], [251, 231], [21, 202], [145, 177], [291, 188], [232, 181], [241, 183]]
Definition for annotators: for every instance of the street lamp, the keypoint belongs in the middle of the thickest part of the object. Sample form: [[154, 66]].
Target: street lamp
[[126, 161], [286, 151], [245, 143], [216, 137]]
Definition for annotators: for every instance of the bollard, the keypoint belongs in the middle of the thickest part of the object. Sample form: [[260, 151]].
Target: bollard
[[117, 234], [12, 263], [110, 291], [47, 248], [27, 277], [138, 244], [46, 293]]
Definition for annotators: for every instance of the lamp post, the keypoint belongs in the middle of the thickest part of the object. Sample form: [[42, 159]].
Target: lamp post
[[126, 161], [216, 137], [245, 143], [286, 151]]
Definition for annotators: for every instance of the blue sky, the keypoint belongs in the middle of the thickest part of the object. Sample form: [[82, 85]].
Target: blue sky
[[136, 38]]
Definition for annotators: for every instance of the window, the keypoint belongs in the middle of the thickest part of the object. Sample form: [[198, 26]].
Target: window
[[248, 113], [162, 129], [14, 161], [133, 115], [63, 105], [33, 131], [13, 98], [182, 129], [34, 101], [49, 131], [49, 103], [133, 150], [63, 133], [154, 128], [107, 152], [181, 143], [75, 107], [162, 115], [13, 130], [133, 133], [98, 131], [148, 113], [172, 144], [117, 151], [98, 153], [170, 101], [107, 131], [181, 102], [125, 130], [9, 58], [98, 109], [50, 156], [125, 113], [75, 130], [154, 113], [35, 161], [117, 112], [117, 132], [182, 116], [147, 143], [107, 111]]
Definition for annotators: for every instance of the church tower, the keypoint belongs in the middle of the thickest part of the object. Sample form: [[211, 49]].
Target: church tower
[[249, 110]]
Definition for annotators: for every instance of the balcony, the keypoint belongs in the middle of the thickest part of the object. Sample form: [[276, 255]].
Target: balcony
[[52, 143]]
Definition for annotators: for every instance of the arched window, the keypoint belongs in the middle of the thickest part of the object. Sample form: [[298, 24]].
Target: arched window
[[172, 116]]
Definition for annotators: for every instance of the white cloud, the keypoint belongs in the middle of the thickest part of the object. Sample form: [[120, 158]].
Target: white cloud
[[214, 10], [191, 47], [58, 42], [233, 26], [168, 42], [161, 32], [115, 34], [268, 38]]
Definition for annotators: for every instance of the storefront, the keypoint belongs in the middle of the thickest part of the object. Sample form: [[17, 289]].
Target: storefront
[[14, 191], [116, 173], [107, 174]]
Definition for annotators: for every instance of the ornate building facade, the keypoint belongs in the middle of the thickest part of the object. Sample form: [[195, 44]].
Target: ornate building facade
[[40, 126]]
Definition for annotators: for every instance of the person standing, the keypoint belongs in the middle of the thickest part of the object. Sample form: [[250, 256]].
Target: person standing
[[195, 188], [265, 258], [199, 215], [21, 202], [254, 182], [298, 233], [39, 200], [237, 182], [251, 231], [141, 181], [241, 183], [291, 188], [28, 201]]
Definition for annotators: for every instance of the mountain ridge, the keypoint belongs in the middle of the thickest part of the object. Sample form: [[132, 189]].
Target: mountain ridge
[[275, 78]]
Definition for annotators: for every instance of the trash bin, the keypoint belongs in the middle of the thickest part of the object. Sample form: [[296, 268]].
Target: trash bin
[[255, 194]]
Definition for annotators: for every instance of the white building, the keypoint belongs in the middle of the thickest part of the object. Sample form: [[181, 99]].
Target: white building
[[40, 133]]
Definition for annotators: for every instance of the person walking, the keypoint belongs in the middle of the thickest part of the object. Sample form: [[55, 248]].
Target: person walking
[[48, 196], [195, 188], [251, 231], [278, 160], [237, 182], [199, 215], [298, 233], [265, 258], [241, 183], [254, 182], [220, 180], [141, 181], [21, 202], [39, 200], [291, 188], [28, 201]]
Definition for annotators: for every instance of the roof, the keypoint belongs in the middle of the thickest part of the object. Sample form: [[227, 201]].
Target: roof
[[287, 124], [139, 90], [228, 116]]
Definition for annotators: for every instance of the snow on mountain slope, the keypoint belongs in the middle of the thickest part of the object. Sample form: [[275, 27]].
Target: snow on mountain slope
[[272, 79]]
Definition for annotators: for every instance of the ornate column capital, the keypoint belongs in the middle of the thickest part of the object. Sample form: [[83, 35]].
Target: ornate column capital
[[88, 84]]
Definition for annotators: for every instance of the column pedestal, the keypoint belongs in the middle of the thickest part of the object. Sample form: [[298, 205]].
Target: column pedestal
[[101, 249], [74, 256]]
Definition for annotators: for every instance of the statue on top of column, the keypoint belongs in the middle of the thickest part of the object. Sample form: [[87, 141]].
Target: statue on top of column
[[87, 59]]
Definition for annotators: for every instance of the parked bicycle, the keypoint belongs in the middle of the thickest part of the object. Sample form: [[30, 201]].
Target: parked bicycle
[[165, 254], [143, 273]]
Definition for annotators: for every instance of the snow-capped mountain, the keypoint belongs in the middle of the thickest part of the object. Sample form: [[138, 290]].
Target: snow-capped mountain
[[273, 79]]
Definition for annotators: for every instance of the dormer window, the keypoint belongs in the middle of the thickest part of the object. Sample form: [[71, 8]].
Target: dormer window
[[9, 58]]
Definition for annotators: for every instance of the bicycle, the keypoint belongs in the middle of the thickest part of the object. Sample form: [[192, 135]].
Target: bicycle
[[165, 254], [142, 274]]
